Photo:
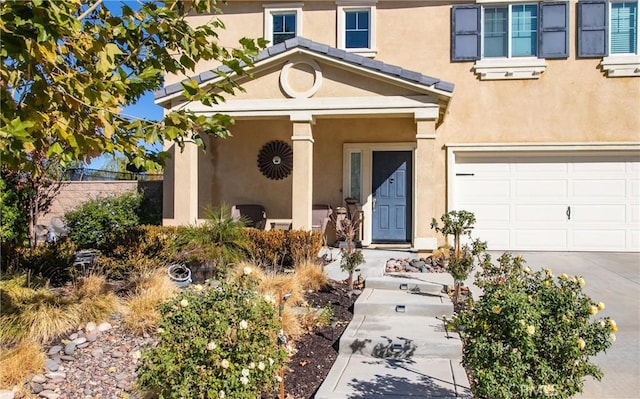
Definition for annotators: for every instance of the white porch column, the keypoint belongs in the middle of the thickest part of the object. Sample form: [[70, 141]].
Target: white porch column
[[424, 238], [302, 188], [185, 191]]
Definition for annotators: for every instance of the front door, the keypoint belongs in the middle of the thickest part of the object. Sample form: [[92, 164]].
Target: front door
[[391, 213]]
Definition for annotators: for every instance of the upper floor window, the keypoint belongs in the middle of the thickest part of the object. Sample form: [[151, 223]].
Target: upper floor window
[[356, 27], [624, 27], [510, 40], [282, 22], [511, 31], [609, 29]]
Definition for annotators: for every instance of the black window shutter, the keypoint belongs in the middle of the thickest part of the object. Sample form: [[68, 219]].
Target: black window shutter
[[465, 33], [553, 30], [592, 28]]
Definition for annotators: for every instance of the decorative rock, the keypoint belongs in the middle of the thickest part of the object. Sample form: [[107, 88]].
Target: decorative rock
[[49, 394], [73, 336], [98, 352], [51, 365], [4, 394], [124, 385], [411, 269], [121, 377], [36, 388], [67, 358], [79, 340], [70, 349], [39, 379], [49, 387], [91, 337], [87, 392], [55, 374], [104, 326], [54, 349], [81, 346], [117, 354], [56, 380], [91, 326]]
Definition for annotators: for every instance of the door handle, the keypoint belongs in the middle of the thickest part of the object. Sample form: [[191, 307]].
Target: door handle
[[568, 212], [373, 203]]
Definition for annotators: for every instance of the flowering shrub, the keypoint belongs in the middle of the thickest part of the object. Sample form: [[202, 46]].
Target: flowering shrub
[[531, 334], [215, 343]]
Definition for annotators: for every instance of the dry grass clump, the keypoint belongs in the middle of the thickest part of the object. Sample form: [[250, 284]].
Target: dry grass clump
[[42, 314], [276, 285], [310, 276], [242, 268], [291, 324], [141, 315], [17, 363]]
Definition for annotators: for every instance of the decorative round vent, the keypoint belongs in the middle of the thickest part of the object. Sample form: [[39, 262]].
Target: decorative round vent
[[275, 160]]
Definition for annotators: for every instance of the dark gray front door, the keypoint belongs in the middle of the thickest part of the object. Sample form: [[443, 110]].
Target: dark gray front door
[[392, 196]]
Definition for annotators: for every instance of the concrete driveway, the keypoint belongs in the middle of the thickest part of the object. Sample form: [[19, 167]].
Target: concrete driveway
[[612, 278]]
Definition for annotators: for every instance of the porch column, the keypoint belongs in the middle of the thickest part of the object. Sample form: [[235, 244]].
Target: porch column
[[302, 187], [424, 238], [185, 191]]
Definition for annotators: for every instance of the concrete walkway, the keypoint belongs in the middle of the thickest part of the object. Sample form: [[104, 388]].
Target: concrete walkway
[[386, 353], [396, 346]]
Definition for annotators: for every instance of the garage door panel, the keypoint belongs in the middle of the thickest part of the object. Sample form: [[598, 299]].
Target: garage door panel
[[537, 168], [634, 188], [486, 188], [634, 239], [539, 239], [599, 214], [541, 188], [592, 168], [634, 214], [489, 213], [599, 188], [590, 239], [540, 213], [496, 238]]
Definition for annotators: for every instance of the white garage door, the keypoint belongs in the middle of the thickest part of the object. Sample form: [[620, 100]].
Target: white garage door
[[552, 203]]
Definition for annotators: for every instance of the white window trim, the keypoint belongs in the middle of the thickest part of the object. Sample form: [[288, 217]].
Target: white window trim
[[621, 65], [507, 68], [273, 9], [343, 7]]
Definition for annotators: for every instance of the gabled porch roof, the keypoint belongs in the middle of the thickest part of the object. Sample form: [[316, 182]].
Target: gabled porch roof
[[417, 81]]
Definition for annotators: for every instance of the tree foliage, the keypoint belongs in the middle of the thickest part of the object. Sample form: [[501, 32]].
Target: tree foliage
[[69, 67]]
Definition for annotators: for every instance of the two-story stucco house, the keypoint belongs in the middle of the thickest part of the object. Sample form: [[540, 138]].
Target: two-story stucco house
[[526, 113]]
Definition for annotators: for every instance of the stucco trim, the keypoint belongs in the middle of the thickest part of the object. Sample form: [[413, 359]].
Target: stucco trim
[[621, 65], [510, 68], [329, 106]]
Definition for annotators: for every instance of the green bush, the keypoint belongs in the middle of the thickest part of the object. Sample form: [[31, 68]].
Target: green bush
[[98, 222], [531, 335], [52, 262], [218, 342]]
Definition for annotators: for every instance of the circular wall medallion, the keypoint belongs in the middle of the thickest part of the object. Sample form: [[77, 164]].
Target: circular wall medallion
[[290, 91], [275, 160]]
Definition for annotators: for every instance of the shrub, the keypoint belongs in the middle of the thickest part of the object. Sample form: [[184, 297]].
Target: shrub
[[49, 261], [304, 246], [215, 342], [531, 335], [311, 276], [267, 249], [98, 222]]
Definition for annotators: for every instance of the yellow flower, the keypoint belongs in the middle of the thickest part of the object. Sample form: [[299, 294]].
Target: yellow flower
[[184, 303], [531, 330], [612, 337], [224, 363], [613, 325], [581, 343], [261, 366], [548, 272], [211, 346], [244, 325], [496, 309], [572, 279], [593, 310], [546, 283], [548, 389], [221, 394], [247, 270], [563, 276], [581, 282], [600, 306], [197, 287], [527, 270]]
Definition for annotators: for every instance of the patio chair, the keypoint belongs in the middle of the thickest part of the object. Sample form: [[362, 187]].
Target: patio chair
[[320, 215], [255, 215]]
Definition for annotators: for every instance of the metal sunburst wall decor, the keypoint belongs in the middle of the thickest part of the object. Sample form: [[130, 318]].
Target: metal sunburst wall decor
[[275, 160]]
